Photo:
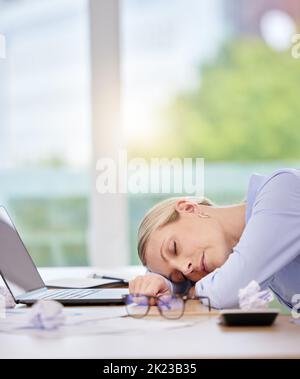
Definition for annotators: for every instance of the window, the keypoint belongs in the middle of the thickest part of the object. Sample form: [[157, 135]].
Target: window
[[44, 126], [200, 80]]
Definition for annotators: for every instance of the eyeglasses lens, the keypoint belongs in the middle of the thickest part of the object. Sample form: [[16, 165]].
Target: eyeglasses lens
[[137, 305], [172, 307]]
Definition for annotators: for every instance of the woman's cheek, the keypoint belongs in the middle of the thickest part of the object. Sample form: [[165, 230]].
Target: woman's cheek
[[218, 260], [223, 258]]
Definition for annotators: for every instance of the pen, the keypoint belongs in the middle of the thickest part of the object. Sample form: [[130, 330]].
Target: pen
[[108, 277]]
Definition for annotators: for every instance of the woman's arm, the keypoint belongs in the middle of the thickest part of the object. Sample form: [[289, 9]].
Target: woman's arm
[[270, 241]]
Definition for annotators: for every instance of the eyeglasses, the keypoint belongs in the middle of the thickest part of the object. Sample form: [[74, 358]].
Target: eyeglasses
[[171, 307]]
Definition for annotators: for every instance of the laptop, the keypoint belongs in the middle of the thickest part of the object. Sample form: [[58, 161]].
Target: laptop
[[24, 282]]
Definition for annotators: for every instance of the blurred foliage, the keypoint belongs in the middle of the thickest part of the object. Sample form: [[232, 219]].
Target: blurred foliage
[[244, 107]]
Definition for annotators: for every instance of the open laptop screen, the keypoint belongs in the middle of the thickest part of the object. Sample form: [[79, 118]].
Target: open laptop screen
[[16, 265]]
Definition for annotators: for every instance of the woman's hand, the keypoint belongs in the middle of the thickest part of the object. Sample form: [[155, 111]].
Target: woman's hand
[[149, 284]]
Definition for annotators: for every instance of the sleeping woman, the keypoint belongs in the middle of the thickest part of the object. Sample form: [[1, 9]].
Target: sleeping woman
[[189, 245]]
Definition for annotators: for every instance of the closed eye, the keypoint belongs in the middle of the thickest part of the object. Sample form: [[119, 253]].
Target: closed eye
[[175, 248]]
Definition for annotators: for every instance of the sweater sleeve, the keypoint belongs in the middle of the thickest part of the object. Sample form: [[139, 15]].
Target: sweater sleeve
[[270, 241]]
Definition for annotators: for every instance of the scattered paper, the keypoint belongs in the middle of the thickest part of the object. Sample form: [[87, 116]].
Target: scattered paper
[[252, 297], [92, 321], [46, 314], [80, 283], [295, 321]]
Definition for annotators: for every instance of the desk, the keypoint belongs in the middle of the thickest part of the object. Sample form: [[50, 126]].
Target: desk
[[206, 339]]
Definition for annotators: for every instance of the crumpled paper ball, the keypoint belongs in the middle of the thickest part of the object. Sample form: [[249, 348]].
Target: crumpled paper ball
[[252, 297], [9, 300], [47, 315]]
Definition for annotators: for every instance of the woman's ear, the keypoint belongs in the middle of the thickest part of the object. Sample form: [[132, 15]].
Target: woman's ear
[[186, 206]]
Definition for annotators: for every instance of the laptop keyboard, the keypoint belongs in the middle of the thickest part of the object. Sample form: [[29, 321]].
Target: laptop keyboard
[[68, 294]]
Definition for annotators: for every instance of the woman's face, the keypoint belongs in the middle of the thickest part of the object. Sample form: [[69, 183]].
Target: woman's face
[[188, 248]]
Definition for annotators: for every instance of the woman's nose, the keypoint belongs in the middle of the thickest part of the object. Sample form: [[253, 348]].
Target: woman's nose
[[188, 268]]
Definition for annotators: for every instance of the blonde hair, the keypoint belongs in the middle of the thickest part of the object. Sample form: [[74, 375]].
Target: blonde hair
[[160, 215]]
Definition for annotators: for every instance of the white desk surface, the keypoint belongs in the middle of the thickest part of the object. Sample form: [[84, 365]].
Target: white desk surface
[[206, 339]]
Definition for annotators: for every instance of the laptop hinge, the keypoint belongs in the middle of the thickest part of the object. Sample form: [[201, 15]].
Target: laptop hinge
[[31, 293]]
